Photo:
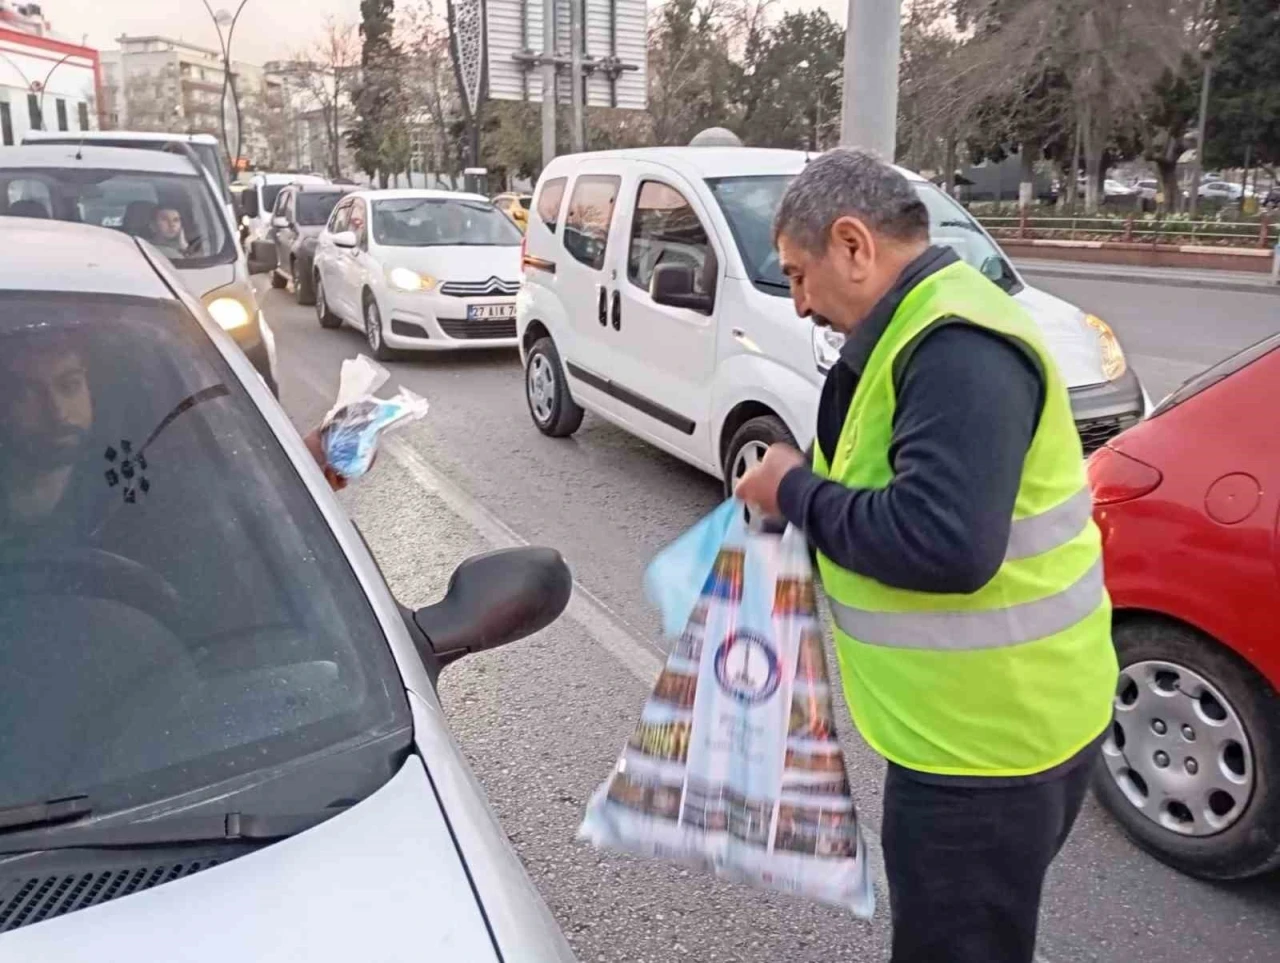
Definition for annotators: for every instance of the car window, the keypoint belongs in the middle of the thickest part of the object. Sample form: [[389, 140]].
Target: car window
[[174, 609], [282, 204], [341, 217], [524, 202], [442, 222], [312, 208], [269, 194], [178, 213], [549, 199], [664, 230], [750, 202], [1223, 369], [586, 224]]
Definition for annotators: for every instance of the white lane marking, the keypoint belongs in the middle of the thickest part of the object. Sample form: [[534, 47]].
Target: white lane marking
[[601, 624]]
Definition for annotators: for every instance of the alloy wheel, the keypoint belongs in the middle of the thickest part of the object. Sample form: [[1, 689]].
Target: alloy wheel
[[749, 455], [1178, 750], [373, 327]]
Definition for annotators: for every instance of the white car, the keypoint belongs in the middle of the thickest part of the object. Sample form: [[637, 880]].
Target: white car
[[258, 200], [220, 734], [1218, 190], [419, 270], [653, 297], [126, 189]]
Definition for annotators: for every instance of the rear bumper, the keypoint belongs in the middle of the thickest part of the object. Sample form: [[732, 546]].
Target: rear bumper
[[1104, 410]]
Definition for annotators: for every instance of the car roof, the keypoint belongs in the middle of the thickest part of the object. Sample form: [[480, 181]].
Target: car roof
[[274, 177], [96, 158], [88, 136], [325, 188], [46, 255], [410, 193], [715, 161]]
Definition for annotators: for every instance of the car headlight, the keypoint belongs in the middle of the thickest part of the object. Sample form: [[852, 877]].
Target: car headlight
[[230, 313], [1113, 363], [402, 279], [826, 347]]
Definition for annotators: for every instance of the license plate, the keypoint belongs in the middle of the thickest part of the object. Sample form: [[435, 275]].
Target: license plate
[[491, 312]]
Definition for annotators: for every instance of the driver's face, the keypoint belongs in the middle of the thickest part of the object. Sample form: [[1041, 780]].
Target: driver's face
[[46, 409], [168, 223]]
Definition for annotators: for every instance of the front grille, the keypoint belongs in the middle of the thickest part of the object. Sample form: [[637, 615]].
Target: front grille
[[479, 289], [1096, 432], [472, 330], [26, 901]]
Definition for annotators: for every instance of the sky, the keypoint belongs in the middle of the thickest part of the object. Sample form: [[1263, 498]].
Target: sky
[[267, 30]]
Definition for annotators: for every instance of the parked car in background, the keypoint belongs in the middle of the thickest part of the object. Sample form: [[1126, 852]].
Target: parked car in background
[[1148, 188], [1188, 503], [515, 206], [419, 270], [1218, 190], [259, 201], [204, 146], [167, 199], [653, 297], [210, 701], [288, 250]]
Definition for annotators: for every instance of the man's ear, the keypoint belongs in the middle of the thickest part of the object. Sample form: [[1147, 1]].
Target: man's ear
[[855, 245]]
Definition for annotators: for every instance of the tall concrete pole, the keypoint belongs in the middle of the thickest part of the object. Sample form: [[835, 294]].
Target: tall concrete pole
[[577, 129], [869, 115], [548, 81], [1197, 169]]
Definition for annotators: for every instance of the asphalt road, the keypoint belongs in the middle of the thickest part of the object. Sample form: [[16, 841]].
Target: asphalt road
[[542, 720]]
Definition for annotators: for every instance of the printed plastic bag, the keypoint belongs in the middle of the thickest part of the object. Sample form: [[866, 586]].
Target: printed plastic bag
[[734, 766], [350, 431]]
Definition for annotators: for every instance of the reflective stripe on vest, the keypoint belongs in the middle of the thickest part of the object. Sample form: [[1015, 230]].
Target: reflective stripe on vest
[[1042, 533], [975, 629]]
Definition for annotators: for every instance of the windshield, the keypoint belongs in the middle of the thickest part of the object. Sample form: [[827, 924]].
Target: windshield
[[269, 194], [441, 222], [178, 213], [174, 610], [314, 207], [749, 204]]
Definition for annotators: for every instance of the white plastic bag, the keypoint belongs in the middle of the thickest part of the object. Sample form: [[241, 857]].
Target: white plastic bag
[[735, 766], [350, 431]]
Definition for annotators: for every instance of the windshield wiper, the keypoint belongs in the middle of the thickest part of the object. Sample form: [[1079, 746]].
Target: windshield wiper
[[965, 224], [46, 812], [780, 285], [170, 830]]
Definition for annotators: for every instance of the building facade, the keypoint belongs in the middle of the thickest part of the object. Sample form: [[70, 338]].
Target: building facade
[[46, 83], [160, 84]]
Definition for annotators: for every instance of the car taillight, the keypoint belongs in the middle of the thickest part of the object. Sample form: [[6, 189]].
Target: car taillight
[[1116, 477]]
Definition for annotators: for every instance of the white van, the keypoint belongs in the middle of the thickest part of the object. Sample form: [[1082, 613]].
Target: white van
[[258, 200], [652, 296]]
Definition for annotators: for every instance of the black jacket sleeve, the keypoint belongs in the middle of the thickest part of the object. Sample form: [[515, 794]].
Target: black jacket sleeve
[[968, 405]]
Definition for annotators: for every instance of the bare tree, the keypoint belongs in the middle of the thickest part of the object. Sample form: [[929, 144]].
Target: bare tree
[[429, 83], [326, 73]]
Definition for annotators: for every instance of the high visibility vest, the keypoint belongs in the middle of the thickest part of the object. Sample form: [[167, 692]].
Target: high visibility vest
[[1018, 676]]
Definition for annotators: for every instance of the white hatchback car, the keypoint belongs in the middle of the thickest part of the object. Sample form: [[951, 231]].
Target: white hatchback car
[[654, 298], [219, 732], [419, 270]]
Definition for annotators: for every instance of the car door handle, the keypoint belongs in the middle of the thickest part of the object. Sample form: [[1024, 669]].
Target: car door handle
[[617, 311], [602, 300]]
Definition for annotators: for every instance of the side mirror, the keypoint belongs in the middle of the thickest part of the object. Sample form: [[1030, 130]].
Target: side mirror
[[345, 239], [672, 285], [494, 599], [279, 221]]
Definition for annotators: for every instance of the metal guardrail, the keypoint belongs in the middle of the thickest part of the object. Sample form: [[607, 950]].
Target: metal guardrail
[[1134, 230]]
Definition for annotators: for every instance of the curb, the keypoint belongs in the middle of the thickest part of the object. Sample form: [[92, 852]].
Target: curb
[[1168, 281]]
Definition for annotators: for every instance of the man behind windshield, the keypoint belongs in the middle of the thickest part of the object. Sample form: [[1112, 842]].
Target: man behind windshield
[[46, 414], [166, 232]]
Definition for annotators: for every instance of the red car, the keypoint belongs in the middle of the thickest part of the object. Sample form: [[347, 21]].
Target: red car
[[1189, 504]]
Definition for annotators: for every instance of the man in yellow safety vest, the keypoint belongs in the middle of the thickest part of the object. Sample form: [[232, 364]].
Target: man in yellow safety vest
[[947, 503]]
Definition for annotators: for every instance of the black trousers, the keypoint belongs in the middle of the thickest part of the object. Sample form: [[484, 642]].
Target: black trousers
[[966, 864]]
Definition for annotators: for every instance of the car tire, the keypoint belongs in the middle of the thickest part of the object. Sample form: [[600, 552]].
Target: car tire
[[373, 332], [326, 317], [552, 408], [303, 292], [1233, 714], [748, 445], [279, 281]]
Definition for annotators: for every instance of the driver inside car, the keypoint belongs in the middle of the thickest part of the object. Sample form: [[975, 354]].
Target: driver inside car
[[46, 414], [166, 231]]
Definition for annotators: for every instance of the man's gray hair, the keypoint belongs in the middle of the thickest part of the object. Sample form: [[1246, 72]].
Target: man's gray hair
[[849, 183]]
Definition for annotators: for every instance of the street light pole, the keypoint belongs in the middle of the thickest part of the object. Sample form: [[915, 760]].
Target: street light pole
[[1197, 169], [872, 40], [37, 87], [224, 19]]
